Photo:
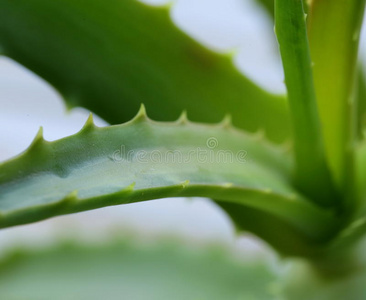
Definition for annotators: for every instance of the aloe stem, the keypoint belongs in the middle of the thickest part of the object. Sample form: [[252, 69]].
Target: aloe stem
[[312, 173], [334, 30]]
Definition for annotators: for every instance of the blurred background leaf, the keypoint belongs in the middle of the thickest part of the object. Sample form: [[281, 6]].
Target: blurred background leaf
[[111, 58], [127, 270]]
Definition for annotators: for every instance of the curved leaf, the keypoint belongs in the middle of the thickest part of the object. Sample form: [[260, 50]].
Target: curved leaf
[[303, 281], [143, 160], [283, 236], [111, 57], [127, 270]]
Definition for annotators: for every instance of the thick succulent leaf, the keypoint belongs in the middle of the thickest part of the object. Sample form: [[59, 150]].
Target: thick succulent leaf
[[312, 172], [127, 270], [304, 281], [284, 237], [361, 103], [111, 57], [268, 5], [143, 160], [334, 77], [356, 228], [361, 172]]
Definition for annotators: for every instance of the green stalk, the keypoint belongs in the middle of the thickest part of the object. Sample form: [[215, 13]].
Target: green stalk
[[334, 30], [312, 173]]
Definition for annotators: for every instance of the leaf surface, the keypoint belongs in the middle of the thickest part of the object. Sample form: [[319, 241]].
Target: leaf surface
[[361, 102], [361, 172], [313, 176], [127, 270], [334, 77], [143, 160]]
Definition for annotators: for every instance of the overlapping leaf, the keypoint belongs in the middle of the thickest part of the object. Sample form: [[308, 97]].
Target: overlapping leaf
[[112, 57], [127, 270]]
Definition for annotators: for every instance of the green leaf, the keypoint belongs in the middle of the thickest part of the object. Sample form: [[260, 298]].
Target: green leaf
[[356, 227], [361, 172], [312, 173], [143, 160], [303, 281], [127, 270], [110, 58], [284, 237], [361, 103], [334, 31], [268, 5]]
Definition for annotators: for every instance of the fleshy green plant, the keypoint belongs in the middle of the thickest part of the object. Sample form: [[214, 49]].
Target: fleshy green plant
[[306, 200]]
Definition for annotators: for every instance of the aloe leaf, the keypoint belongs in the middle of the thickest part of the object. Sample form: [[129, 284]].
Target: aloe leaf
[[361, 103], [268, 5], [110, 58], [334, 31], [303, 281], [361, 172], [143, 160], [355, 228], [313, 175], [129, 270], [280, 235]]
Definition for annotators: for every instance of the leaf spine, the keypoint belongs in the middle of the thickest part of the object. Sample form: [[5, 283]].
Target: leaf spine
[[226, 122], [89, 124], [168, 5], [38, 139], [183, 119], [286, 146], [232, 52], [260, 134], [141, 115], [129, 189], [70, 197], [267, 191], [227, 184], [185, 184]]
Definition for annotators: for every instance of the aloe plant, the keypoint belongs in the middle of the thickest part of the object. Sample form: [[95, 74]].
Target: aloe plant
[[306, 200]]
